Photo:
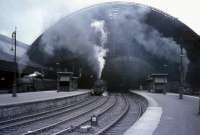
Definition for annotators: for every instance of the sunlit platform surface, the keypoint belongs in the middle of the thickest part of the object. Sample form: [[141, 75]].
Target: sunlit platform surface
[[7, 99], [168, 115]]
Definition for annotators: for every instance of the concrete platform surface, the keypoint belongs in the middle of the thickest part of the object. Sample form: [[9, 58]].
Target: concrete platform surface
[[7, 99], [178, 117], [150, 119]]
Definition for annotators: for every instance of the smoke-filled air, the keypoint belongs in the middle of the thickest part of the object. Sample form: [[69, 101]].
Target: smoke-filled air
[[101, 51], [100, 32]]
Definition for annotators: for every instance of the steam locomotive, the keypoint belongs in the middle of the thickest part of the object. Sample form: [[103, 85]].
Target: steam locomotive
[[99, 88]]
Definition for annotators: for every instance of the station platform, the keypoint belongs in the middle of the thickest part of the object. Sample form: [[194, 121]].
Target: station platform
[[27, 97], [168, 115], [35, 101]]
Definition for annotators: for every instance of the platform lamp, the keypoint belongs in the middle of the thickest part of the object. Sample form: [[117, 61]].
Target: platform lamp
[[181, 64], [181, 74], [14, 89], [199, 102], [57, 70], [165, 66]]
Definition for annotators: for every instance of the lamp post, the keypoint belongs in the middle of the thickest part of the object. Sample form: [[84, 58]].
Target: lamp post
[[199, 102], [181, 75], [14, 90], [57, 70], [165, 66], [181, 64]]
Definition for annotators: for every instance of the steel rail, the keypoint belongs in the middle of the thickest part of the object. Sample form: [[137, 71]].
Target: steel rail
[[87, 120], [4, 122], [47, 114], [123, 113], [43, 129]]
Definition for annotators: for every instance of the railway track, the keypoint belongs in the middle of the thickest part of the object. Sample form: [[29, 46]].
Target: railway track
[[119, 118], [137, 106], [113, 113], [13, 121], [75, 118], [25, 124], [120, 112], [113, 119], [86, 120], [106, 119]]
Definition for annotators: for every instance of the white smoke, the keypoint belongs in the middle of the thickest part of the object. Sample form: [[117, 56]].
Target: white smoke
[[101, 51], [99, 26], [23, 62], [129, 24], [75, 36]]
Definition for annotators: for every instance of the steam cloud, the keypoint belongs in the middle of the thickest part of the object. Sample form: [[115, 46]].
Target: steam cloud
[[129, 24], [128, 28], [79, 41], [101, 51]]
